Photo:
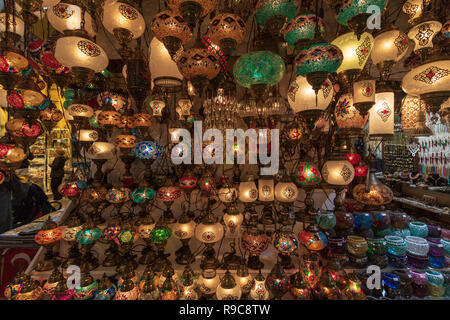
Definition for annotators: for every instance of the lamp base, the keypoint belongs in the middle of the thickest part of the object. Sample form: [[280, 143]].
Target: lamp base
[[358, 24], [274, 24], [148, 256], [254, 263], [113, 257], [191, 11], [286, 261], [184, 255]]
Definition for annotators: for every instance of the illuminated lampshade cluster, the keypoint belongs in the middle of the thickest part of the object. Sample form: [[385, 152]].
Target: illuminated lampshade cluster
[[171, 29], [258, 67]]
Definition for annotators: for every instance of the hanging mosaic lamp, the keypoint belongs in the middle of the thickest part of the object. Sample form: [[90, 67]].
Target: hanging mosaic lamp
[[192, 10], [348, 118], [171, 29], [227, 30], [273, 14], [300, 31]]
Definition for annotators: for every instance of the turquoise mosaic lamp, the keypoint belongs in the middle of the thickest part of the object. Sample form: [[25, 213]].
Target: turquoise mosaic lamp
[[273, 14], [142, 195], [354, 13], [259, 68], [299, 31]]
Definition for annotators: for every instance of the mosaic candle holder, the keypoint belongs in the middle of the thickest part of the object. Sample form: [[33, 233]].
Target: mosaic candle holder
[[418, 229]]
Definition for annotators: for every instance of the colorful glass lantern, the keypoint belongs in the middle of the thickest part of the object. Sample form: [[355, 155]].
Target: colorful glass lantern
[[258, 67], [20, 127], [142, 195], [207, 184], [355, 51], [277, 281], [126, 141], [381, 115], [126, 122], [44, 60], [352, 8], [322, 57], [168, 194], [313, 239], [70, 189], [301, 29], [13, 62], [411, 105], [307, 174], [120, 17], [160, 235], [255, 242], [227, 30], [115, 99], [298, 289], [347, 116], [188, 183], [423, 34], [147, 150], [361, 171], [108, 118], [259, 290], [106, 290], [171, 29], [338, 172], [353, 158], [11, 155], [118, 195], [310, 269], [285, 242], [301, 95], [66, 16], [48, 236], [267, 10], [364, 93], [88, 236]]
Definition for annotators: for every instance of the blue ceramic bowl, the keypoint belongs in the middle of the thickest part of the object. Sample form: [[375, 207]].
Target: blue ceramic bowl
[[418, 229]]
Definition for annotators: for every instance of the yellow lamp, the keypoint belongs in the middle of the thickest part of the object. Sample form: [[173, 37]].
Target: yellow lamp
[[423, 34], [119, 15], [248, 191], [286, 191]]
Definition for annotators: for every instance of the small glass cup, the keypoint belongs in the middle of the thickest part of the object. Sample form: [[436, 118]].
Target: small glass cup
[[362, 220], [418, 229], [396, 245], [435, 278], [416, 245], [357, 246], [377, 246]]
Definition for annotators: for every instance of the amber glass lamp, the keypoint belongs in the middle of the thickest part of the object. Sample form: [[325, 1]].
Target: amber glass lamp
[[49, 234], [255, 242], [184, 231], [168, 194], [311, 269], [228, 289], [227, 30]]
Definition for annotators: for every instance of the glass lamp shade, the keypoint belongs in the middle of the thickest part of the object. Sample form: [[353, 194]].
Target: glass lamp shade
[[209, 233], [80, 110], [208, 282], [377, 195], [207, 184], [245, 281], [87, 135], [361, 171], [126, 122], [157, 106], [160, 235], [427, 78], [130, 236], [347, 116], [353, 158], [15, 24], [184, 230], [227, 194], [233, 222], [259, 67], [147, 150], [116, 100], [126, 141], [75, 51], [11, 154], [286, 192], [70, 189], [20, 127], [266, 190], [423, 34], [381, 115], [364, 91], [189, 183], [302, 27], [338, 172], [224, 293], [65, 16], [207, 6], [25, 97], [226, 26], [389, 46], [313, 240], [118, 195], [161, 63], [301, 95], [109, 118], [318, 57], [142, 195], [198, 62], [266, 9], [167, 194], [69, 233], [355, 52], [88, 236], [411, 105], [168, 23], [307, 174], [119, 15], [142, 120], [248, 192], [414, 9], [351, 8], [255, 243], [44, 237], [14, 62], [259, 290], [101, 150], [285, 242]]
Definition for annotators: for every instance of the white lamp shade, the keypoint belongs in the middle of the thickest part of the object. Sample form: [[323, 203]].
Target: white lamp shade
[[183, 230], [64, 16], [423, 34], [427, 78], [209, 233], [226, 194], [161, 64], [101, 150], [229, 294], [80, 110], [381, 115], [301, 95], [259, 290], [413, 8], [208, 285], [80, 52], [389, 46], [15, 24], [364, 91], [355, 52], [233, 222], [338, 172], [266, 189], [121, 15], [248, 191], [87, 135], [286, 192]]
